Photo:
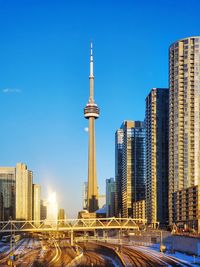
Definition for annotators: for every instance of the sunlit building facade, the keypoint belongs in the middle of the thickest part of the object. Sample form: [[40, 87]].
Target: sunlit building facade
[[36, 202], [156, 124], [133, 165], [24, 179], [139, 210], [61, 214], [61, 217], [184, 132], [7, 193]]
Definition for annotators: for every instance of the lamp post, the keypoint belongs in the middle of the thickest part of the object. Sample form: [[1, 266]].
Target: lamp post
[[11, 246]]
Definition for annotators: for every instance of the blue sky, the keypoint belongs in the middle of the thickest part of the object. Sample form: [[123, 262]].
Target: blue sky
[[44, 85]]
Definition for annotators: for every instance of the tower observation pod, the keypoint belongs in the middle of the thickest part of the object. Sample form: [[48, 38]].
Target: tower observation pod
[[91, 112]]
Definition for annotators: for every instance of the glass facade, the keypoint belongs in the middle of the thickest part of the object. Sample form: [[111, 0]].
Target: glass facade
[[131, 165], [7, 193], [110, 197]]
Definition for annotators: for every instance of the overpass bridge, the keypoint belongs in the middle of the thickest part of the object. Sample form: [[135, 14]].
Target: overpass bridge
[[71, 225]]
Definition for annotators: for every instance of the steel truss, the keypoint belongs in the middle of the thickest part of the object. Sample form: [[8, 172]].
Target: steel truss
[[71, 225]]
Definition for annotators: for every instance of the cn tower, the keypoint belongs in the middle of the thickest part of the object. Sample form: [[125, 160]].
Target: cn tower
[[91, 112]]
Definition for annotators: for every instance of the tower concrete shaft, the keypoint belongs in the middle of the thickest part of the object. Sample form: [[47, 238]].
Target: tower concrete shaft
[[91, 113]]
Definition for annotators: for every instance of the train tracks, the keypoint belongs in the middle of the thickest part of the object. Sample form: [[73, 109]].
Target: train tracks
[[57, 255], [139, 259], [60, 253], [98, 255], [143, 257], [5, 256], [92, 259], [163, 257]]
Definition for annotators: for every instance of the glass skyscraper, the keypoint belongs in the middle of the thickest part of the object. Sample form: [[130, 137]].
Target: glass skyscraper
[[7, 193], [118, 170], [130, 165], [110, 197]]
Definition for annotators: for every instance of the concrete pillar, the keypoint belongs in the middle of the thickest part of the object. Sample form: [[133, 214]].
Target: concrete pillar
[[72, 238], [104, 235], [95, 235], [198, 226]]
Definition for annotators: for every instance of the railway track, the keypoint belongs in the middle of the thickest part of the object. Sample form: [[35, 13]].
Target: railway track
[[143, 257], [94, 256], [5, 256], [139, 259], [57, 255], [92, 259], [168, 259]]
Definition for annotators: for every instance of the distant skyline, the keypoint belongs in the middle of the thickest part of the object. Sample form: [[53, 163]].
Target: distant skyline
[[44, 85]]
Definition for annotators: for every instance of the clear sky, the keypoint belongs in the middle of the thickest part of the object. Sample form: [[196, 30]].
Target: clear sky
[[44, 85]]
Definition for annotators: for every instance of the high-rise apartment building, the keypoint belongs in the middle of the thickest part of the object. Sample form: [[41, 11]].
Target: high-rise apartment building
[[156, 124], [118, 170], [139, 210], [24, 179], [36, 202], [133, 165], [7, 193], [184, 132], [110, 197]]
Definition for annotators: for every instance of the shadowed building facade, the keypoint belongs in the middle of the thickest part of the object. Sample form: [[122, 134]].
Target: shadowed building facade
[[7, 193], [110, 197], [118, 170], [91, 112], [156, 124]]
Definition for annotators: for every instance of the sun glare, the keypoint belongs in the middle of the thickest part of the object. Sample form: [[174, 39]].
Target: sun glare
[[52, 207]]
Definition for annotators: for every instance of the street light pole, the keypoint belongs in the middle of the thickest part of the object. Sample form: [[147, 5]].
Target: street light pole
[[11, 247]]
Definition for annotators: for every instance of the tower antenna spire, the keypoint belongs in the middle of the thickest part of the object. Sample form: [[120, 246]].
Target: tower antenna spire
[[91, 77], [91, 46]]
